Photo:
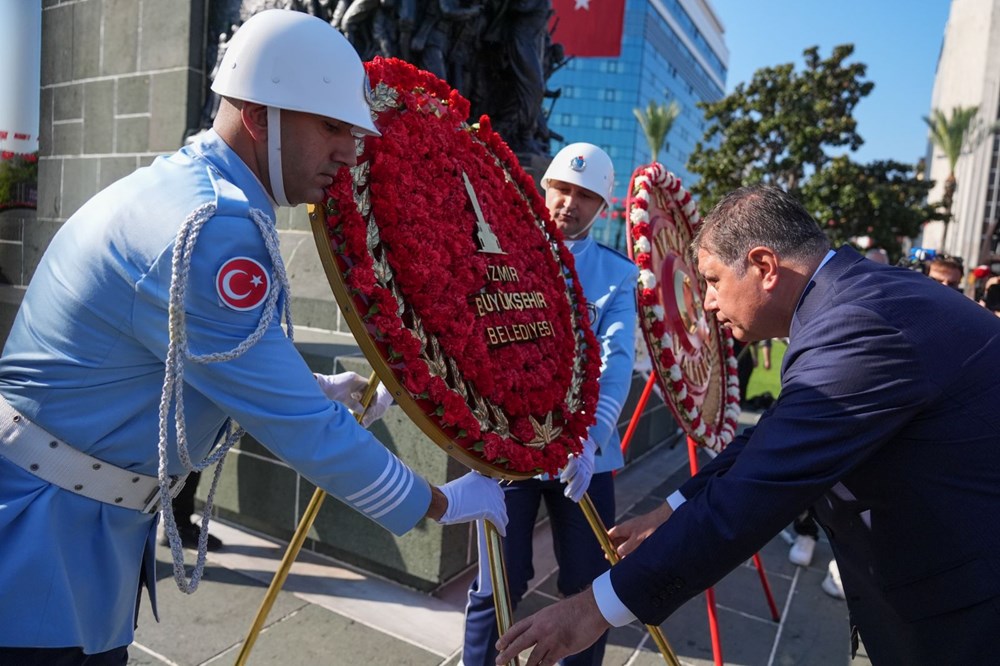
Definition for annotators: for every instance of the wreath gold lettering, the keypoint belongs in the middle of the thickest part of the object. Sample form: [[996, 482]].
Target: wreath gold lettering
[[504, 334]]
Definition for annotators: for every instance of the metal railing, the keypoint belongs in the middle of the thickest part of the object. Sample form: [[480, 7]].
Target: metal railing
[[12, 247], [23, 195]]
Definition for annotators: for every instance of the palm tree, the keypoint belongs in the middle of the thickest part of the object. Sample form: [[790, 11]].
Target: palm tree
[[656, 123], [950, 135]]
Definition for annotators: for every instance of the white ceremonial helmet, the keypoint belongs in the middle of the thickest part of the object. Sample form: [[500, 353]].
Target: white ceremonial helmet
[[585, 165], [290, 60]]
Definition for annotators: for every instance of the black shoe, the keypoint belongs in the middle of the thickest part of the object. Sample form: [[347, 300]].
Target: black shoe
[[189, 538]]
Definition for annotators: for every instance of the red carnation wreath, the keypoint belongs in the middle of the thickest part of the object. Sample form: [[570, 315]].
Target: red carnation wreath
[[461, 282], [691, 354]]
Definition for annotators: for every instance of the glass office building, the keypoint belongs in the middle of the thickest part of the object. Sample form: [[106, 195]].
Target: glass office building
[[671, 50]]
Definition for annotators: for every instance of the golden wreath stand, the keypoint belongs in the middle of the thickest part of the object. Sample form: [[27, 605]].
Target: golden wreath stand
[[601, 532], [295, 545], [494, 542]]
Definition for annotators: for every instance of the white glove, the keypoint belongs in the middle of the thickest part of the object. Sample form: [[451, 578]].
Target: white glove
[[475, 497], [578, 470], [347, 389]]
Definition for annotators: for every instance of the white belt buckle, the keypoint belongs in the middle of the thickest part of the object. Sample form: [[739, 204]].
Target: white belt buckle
[[153, 501]]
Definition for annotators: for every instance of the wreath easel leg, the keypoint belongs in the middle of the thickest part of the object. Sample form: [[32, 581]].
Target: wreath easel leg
[[601, 532], [295, 545], [498, 577]]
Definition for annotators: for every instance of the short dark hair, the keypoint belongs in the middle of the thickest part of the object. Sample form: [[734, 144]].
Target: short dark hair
[[759, 215], [992, 297], [946, 261]]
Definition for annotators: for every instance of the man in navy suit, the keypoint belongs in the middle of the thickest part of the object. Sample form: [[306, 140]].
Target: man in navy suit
[[887, 424]]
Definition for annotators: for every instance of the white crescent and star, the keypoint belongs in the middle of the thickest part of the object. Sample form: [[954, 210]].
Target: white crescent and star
[[228, 289], [582, 4], [252, 283]]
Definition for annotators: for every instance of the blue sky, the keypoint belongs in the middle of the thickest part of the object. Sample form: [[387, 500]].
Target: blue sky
[[899, 40]]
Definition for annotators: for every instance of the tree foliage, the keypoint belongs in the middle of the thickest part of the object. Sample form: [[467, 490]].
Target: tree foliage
[[951, 134], [656, 122], [777, 128], [18, 173], [781, 128], [883, 200]]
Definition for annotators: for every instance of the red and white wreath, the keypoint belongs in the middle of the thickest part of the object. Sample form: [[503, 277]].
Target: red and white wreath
[[495, 346], [691, 354]]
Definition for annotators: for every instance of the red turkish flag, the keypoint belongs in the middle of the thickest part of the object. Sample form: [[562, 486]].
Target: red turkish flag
[[589, 28], [242, 283]]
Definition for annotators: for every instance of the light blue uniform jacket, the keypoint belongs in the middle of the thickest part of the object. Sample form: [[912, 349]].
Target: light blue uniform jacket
[[85, 361], [609, 284]]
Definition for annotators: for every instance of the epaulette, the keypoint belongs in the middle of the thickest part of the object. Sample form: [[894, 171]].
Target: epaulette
[[230, 201]]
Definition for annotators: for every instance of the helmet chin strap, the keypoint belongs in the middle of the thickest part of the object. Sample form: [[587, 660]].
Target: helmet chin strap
[[274, 155], [580, 235]]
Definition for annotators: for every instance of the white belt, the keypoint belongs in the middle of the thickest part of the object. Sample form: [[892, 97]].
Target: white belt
[[31, 448]]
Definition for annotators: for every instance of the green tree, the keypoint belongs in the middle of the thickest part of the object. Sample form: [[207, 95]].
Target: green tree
[[656, 122], [951, 134], [883, 200], [16, 170], [777, 128]]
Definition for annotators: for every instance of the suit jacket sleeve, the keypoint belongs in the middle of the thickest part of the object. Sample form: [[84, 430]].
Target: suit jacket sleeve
[[853, 382], [718, 466]]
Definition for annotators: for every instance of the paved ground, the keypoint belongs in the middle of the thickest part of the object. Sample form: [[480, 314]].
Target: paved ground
[[329, 614]]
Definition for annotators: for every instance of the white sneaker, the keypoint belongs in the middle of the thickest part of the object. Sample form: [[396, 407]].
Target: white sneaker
[[801, 552], [831, 584]]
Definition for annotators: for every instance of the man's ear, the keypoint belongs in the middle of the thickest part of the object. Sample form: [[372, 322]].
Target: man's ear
[[764, 262], [254, 117]]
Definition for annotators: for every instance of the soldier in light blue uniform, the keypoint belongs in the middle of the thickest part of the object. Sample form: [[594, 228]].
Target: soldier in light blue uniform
[[154, 316], [578, 186]]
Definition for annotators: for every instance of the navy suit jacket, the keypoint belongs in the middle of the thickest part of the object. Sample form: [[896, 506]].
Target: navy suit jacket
[[888, 422]]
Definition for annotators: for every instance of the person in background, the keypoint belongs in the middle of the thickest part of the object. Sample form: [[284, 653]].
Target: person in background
[[765, 353], [878, 255], [578, 185], [153, 319], [746, 361], [946, 270], [183, 508], [801, 552], [991, 295]]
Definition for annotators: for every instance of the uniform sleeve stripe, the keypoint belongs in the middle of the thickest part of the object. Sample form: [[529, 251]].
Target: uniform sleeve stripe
[[402, 496], [392, 490], [606, 422], [608, 408], [390, 466], [380, 492], [608, 404], [390, 477]]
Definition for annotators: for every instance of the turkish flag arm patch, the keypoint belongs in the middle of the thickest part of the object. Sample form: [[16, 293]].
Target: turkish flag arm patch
[[242, 283]]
